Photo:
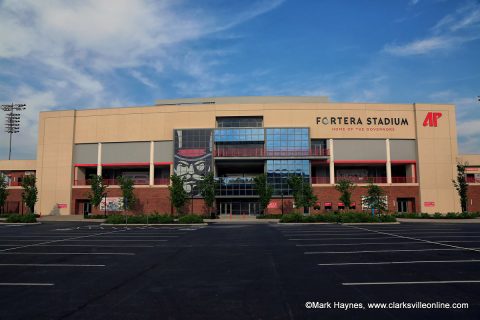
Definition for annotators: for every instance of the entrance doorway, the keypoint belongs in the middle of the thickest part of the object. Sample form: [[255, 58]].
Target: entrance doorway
[[239, 207], [83, 207], [405, 205]]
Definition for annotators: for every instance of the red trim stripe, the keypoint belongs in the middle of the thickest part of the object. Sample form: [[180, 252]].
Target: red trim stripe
[[126, 164], [162, 163], [85, 165]]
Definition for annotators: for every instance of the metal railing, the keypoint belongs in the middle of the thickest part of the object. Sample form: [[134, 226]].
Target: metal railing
[[326, 180], [473, 180], [262, 152]]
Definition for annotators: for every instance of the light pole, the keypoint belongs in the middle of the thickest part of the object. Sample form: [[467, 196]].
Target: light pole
[[192, 200], [105, 206], [12, 121]]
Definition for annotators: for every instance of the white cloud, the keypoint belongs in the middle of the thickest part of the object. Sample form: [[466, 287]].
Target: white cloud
[[75, 53], [452, 31]]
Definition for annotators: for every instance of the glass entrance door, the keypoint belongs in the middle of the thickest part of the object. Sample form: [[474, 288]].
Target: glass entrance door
[[239, 207]]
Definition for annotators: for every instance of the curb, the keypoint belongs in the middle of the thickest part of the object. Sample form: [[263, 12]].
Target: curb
[[21, 223], [346, 223], [156, 224], [463, 221]]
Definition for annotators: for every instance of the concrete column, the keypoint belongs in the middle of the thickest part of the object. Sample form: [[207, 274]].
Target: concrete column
[[99, 159], [152, 166], [389, 162], [332, 163]]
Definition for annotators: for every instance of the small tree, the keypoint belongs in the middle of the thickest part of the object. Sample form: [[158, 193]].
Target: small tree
[[265, 191], [375, 198], [461, 185], [178, 195], [302, 191], [3, 190], [207, 188], [98, 189], [30, 192], [126, 185], [345, 187]]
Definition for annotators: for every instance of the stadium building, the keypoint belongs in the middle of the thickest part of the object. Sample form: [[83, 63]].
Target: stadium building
[[410, 150]]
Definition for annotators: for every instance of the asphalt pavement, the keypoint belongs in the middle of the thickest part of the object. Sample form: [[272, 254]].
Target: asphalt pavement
[[72, 270]]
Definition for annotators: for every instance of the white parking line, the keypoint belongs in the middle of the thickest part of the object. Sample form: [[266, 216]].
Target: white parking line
[[339, 232], [356, 244], [417, 239], [396, 262], [51, 265], [331, 239], [60, 240], [381, 251], [25, 284], [71, 253], [408, 282]]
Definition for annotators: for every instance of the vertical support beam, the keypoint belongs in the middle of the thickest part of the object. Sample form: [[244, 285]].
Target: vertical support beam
[[332, 163], [152, 166], [99, 159], [389, 162]]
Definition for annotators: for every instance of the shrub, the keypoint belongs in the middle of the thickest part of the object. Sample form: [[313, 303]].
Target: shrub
[[140, 219], [191, 218], [344, 217], [269, 216], [95, 216], [18, 218], [292, 217]]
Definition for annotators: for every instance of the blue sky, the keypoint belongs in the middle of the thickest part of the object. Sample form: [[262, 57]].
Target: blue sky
[[102, 53]]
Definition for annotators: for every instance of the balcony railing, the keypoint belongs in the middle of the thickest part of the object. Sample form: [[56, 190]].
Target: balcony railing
[[320, 180], [326, 180], [115, 182], [473, 180], [14, 184], [262, 152]]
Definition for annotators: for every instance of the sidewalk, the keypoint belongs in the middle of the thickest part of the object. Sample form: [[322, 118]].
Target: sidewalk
[[68, 218]]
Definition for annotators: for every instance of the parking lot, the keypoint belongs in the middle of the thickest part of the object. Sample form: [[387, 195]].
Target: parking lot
[[239, 271]]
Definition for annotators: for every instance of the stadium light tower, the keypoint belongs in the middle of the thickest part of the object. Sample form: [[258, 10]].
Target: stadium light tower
[[12, 121]]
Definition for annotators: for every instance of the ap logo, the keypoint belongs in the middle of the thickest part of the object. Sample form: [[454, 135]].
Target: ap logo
[[431, 120]]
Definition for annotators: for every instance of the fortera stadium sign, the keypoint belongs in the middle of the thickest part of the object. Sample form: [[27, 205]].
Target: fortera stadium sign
[[359, 121]]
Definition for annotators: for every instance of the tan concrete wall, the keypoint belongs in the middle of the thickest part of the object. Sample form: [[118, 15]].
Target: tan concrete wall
[[470, 159], [11, 165], [437, 152], [437, 147], [54, 161]]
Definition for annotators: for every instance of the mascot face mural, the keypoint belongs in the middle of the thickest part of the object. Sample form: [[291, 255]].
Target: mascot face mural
[[193, 157]]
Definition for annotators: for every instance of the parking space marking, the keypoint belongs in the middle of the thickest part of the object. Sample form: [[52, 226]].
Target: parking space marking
[[397, 262], [59, 240], [25, 284], [356, 244], [52, 265], [381, 251], [340, 232], [417, 239], [408, 282], [71, 253], [331, 239]]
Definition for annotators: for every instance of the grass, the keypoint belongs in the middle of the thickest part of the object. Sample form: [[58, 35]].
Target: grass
[[344, 217], [450, 215]]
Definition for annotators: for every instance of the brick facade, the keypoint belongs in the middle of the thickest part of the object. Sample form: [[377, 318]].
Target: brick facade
[[14, 203]]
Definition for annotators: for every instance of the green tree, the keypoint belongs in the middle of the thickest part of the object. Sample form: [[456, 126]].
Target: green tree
[[30, 192], [3, 190], [345, 187], [302, 192], [126, 185], [178, 195], [461, 185], [207, 188], [375, 198], [98, 189], [265, 191]]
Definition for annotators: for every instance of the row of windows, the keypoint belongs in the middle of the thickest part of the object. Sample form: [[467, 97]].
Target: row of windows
[[278, 172], [238, 135], [239, 122]]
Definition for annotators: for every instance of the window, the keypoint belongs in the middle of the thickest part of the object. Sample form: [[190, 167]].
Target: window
[[278, 172], [239, 122]]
